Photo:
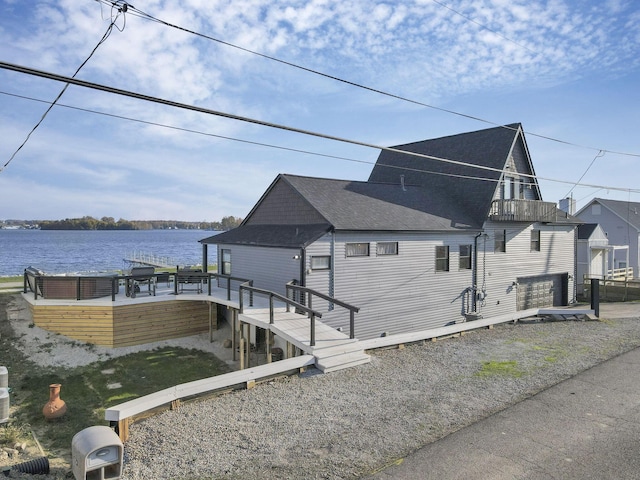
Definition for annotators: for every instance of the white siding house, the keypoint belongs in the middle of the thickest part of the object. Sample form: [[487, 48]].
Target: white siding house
[[421, 244]]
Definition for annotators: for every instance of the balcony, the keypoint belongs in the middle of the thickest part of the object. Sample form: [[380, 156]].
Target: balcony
[[519, 210]]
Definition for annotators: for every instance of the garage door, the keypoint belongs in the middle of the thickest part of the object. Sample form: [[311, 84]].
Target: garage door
[[542, 291]]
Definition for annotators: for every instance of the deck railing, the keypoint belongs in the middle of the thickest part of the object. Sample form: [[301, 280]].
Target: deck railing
[[520, 210], [311, 313], [310, 293]]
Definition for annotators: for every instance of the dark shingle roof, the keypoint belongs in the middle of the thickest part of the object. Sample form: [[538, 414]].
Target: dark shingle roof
[[283, 236], [487, 148], [585, 230], [349, 205]]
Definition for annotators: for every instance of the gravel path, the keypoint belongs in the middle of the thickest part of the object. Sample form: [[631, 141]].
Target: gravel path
[[349, 423]]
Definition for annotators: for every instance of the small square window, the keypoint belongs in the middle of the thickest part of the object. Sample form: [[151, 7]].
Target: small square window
[[535, 240], [500, 244], [357, 249], [321, 262], [442, 258], [464, 262], [387, 248]]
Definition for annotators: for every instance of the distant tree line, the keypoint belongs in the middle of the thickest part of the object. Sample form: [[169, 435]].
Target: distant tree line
[[109, 223]]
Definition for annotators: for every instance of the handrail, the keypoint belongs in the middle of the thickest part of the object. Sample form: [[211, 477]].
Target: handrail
[[352, 309], [290, 303]]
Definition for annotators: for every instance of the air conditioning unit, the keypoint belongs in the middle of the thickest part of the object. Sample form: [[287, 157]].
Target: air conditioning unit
[[4, 405], [96, 454]]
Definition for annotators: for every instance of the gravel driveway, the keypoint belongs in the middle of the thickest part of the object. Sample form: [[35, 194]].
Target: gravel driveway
[[356, 421]]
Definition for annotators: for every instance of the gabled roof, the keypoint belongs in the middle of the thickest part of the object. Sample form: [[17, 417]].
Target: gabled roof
[[489, 148], [586, 230], [628, 212]]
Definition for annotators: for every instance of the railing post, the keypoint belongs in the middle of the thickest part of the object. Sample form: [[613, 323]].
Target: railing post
[[313, 330], [78, 289], [595, 296], [228, 288], [114, 282], [271, 319], [240, 297], [352, 324]]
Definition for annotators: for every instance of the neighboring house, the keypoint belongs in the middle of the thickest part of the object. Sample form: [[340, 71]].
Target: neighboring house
[[423, 243], [592, 253], [620, 221]]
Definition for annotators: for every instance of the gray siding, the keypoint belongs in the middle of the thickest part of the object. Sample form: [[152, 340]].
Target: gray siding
[[269, 268], [395, 293], [498, 271]]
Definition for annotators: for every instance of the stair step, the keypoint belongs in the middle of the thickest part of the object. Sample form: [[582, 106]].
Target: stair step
[[342, 349], [339, 362]]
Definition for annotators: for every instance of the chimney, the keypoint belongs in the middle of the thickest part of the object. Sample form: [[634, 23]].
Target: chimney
[[568, 205]]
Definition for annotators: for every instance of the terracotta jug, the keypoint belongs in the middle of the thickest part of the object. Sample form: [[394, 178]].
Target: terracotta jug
[[55, 407]]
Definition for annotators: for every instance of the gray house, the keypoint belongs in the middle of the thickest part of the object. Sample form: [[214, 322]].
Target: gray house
[[620, 221], [444, 231]]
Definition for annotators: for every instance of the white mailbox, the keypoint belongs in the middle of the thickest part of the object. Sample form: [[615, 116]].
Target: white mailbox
[[96, 454]]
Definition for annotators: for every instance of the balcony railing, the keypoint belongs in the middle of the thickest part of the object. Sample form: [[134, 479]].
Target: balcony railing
[[519, 210]]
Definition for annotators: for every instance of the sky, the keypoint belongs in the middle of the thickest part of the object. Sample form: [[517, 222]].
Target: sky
[[568, 70]]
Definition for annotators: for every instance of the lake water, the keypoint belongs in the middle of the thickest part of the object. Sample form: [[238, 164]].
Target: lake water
[[61, 251]]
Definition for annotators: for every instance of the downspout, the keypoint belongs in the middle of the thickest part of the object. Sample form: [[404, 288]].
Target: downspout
[[474, 273]]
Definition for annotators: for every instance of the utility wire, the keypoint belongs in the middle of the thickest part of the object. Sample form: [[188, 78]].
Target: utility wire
[[106, 35], [598, 155], [139, 13], [483, 26], [171, 103]]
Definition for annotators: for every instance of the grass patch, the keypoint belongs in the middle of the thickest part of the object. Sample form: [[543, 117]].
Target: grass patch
[[507, 368], [86, 393], [86, 389]]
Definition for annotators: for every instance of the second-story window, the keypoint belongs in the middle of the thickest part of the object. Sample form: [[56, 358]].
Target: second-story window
[[500, 244]]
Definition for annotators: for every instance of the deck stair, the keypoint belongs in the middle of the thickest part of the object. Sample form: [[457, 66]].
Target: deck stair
[[333, 350]]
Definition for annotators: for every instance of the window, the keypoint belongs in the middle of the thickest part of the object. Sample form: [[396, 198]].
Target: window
[[321, 262], [442, 258], [226, 262], [464, 262], [387, 248], [500, 244], [357, 249], [535, 240]]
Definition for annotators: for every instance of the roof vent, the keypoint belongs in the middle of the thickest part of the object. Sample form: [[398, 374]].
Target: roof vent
[[404, 189]]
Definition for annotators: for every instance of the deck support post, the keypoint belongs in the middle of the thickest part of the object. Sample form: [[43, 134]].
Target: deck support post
[[234, 333], [268, 336], [241, 353]]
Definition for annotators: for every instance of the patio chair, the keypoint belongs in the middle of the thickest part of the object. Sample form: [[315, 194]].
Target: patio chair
[[140, 276]]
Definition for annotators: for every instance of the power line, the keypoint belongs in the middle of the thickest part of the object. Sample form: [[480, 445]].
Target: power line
[[106, 35], [139, 13], [171, 103], [483, 26]]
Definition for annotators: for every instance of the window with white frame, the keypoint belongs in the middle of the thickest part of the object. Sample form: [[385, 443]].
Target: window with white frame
[[357, 249], [321, 262], [442, 258], [464, 260], [387, 248], [535, 240], [226, 262]]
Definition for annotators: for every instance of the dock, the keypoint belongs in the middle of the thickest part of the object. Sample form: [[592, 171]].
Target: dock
[[143, 258]]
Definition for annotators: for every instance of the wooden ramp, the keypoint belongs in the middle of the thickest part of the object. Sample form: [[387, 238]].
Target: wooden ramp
[[333, 349]]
